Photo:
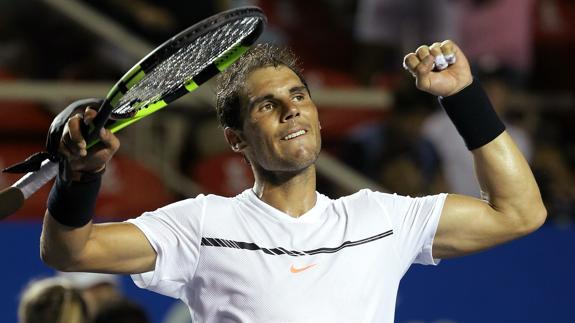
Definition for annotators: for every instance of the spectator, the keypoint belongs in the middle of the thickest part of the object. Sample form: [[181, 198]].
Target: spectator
[[123, 311], [97, 289], [51, 300]]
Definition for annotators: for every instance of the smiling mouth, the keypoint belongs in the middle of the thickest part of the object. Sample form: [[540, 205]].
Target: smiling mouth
[[295, 134]]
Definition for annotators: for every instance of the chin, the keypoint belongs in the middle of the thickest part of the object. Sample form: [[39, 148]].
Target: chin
[[303, 161], [293, 164]]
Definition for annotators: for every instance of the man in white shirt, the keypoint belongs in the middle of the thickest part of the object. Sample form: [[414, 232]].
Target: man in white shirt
[[281, 251]]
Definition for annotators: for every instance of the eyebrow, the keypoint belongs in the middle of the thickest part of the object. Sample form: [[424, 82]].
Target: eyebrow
[[301, 88], [295, 89]]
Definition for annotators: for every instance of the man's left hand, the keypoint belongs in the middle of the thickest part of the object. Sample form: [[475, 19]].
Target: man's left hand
[[440, 69]]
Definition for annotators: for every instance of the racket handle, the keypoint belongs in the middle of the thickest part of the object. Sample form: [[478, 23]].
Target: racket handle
[[90, 132], [33, 181], [12, 198]]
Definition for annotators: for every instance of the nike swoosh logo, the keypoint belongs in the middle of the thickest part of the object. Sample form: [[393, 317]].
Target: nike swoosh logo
[[299, 270]]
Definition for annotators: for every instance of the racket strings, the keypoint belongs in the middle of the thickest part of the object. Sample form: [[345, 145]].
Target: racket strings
[[186, 63]]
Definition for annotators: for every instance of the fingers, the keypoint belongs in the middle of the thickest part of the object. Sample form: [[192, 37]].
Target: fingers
[[422, 52], [73, 145], [89, 115], [109, 140], [425, 59], [440, 61], [448, 49], [410, 62]]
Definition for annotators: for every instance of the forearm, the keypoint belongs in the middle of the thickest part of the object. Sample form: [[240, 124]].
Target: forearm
[[507, 181], [61, 246], [503, 173], [68, 219], [71, 242], [115, 248]]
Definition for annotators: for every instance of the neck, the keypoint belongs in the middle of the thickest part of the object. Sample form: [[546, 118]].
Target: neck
[[292, 193]]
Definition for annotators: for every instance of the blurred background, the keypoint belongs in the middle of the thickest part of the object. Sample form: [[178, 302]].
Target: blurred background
[[378, 130]]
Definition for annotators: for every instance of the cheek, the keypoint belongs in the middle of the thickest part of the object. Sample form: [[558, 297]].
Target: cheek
[[256, 137]]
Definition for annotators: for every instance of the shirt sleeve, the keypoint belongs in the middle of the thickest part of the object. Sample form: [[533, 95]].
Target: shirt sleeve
[[174, 232], [414, 222]]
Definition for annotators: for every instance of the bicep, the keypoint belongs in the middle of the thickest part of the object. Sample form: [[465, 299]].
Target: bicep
[[117, 248], [469, 225]]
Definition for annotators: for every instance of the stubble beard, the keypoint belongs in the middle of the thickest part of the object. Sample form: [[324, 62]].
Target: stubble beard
[[287, 169]]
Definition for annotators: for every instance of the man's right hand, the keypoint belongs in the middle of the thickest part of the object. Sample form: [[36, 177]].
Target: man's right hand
[[74, 147], [119, 248]]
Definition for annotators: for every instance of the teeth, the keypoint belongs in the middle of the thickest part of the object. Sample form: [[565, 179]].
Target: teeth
[[295, 134]]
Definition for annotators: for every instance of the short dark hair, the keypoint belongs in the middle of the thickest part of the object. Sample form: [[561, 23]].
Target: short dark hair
[[231, 81], [123, 310]]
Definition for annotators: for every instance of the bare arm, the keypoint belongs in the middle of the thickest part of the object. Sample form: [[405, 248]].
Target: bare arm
[[515, 207], [109, 248]]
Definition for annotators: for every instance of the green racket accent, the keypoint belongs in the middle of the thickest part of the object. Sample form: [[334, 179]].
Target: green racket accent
[[135, 69], [135, 79], [115, 94], [230, 57], [191, 85], [121, 124], [117, 126]]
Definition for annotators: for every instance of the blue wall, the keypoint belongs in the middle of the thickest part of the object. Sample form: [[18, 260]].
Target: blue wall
[[21, 263], [528, 280]]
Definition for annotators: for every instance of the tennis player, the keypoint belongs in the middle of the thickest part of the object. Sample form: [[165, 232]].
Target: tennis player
[[281, 251]]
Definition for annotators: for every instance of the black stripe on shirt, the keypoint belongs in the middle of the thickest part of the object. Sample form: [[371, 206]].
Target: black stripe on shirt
[[224, 243]]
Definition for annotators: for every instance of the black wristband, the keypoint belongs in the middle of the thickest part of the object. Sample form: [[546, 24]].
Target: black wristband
[[473, 115], [73, 203]]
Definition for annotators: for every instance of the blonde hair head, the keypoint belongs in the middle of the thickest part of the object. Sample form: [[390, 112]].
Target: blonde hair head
[[51, 300]]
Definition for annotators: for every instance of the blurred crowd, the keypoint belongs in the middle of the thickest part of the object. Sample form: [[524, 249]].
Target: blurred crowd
[[78, 298], [519, 49], [515, 48]]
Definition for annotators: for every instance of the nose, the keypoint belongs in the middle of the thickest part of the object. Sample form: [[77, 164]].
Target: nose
[[290, 111]]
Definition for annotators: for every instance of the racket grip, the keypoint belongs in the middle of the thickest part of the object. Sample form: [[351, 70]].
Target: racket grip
[[13, 197], [33, 181]]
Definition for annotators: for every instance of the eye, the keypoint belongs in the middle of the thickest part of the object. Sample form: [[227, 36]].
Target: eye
[[266, 106], [298, 97]]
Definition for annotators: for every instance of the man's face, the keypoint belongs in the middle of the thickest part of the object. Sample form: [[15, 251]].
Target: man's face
[[280, 121]]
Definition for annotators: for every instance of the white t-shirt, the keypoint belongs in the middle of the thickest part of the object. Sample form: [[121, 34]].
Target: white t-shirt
[[241, 260]]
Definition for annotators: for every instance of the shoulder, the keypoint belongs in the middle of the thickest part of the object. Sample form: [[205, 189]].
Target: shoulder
[[201, 200], [389, 201], [194, 207], [366, 198], [190, 212], [367, 194]]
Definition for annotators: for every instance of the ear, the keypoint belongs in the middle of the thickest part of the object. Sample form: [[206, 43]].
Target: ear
[[234, 139]]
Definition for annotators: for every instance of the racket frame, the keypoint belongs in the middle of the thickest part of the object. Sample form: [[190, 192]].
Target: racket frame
[[33, 181], [105, 117]]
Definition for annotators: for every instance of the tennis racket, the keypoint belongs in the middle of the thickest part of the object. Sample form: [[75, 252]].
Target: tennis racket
[[177, 67]]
